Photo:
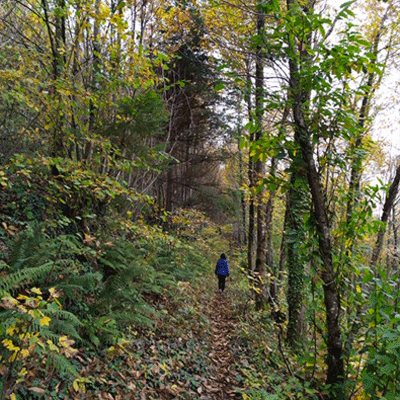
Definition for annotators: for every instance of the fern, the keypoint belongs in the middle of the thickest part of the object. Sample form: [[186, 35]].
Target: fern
[[65, 323], [63, 315], [24, 247], [75, 286], [65, 328], [62, 365], [102, 330], [22, 278], [121, 296]]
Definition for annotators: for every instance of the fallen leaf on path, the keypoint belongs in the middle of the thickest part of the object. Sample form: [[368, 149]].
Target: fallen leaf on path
[[37, 390]]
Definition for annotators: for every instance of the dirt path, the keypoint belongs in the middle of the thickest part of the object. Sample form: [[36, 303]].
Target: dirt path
[[192, 355], [223, 351]]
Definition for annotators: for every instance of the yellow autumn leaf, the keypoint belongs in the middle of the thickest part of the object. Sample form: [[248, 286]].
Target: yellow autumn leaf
[[13, 357], [10, 330], [75, 385], [13, 396], [36, 290], [63, 340], [24, 310], [45, 321], [52, 346], [8, 344], [358, 289], [24, 353]]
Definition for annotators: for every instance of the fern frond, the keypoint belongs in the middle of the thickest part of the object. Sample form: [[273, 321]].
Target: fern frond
[[62, 365], [65, 328], [24, 277], [63, 315], [24, 246], [88, 281]]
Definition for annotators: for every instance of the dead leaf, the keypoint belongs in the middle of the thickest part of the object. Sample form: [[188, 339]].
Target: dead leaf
[[37, 390], [155, 369]]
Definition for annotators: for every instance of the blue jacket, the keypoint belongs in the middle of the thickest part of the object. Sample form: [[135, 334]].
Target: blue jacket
[[222, 267]]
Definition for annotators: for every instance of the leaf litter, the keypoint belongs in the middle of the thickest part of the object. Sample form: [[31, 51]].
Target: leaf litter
[[191, 354]]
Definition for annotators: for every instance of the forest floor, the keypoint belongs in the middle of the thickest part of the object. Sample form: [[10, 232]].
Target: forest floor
[[223, 350], [203, 346], [192, 352]]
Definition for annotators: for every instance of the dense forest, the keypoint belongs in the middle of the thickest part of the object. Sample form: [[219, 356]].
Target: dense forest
[[139, 140]]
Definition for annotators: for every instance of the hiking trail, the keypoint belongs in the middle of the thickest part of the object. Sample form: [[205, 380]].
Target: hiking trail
[[223, 350]]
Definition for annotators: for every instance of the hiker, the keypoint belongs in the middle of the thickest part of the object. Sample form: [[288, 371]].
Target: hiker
[[222, 271]]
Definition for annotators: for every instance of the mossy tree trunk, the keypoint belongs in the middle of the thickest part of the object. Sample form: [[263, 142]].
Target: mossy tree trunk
[[297, 206]]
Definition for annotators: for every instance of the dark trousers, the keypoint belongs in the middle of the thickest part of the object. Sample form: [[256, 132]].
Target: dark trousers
[[221, 282]]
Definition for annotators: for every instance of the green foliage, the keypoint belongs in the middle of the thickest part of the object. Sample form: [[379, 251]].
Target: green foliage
[[381, 344], [128, 276], [36, 260], [270, 369], [139, 117], [66, 194], [103, 289], [30, 345]]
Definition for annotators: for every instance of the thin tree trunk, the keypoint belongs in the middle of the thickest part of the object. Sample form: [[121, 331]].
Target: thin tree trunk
[[276, 272], [269, 259], [395, 242], [283, 248], [260, 167], [169, 190], [57, 41], [242, 221], [96, 67], [251, 232], [295, 266], [391, 197], [356, 167]]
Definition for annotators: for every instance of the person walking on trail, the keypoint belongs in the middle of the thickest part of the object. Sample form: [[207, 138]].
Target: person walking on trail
[[222, 271]]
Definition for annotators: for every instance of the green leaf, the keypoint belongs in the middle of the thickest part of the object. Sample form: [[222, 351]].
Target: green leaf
[[347, 4]]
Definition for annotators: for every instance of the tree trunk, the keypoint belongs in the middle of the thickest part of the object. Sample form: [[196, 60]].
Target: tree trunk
[[260, 167], [57, 39], [369, 89], [295, 266], [251, 236], [269, 259], [242, 221], [395, 259], [335, 372], [96, 69], [391, 197], [299, 97]]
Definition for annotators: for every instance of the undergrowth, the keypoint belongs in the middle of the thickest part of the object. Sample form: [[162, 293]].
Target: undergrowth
[[269, 367], [71, 298]]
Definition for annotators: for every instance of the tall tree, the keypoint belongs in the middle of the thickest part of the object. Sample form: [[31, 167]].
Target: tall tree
[[259, 169], [316, 128], [296, 208]]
